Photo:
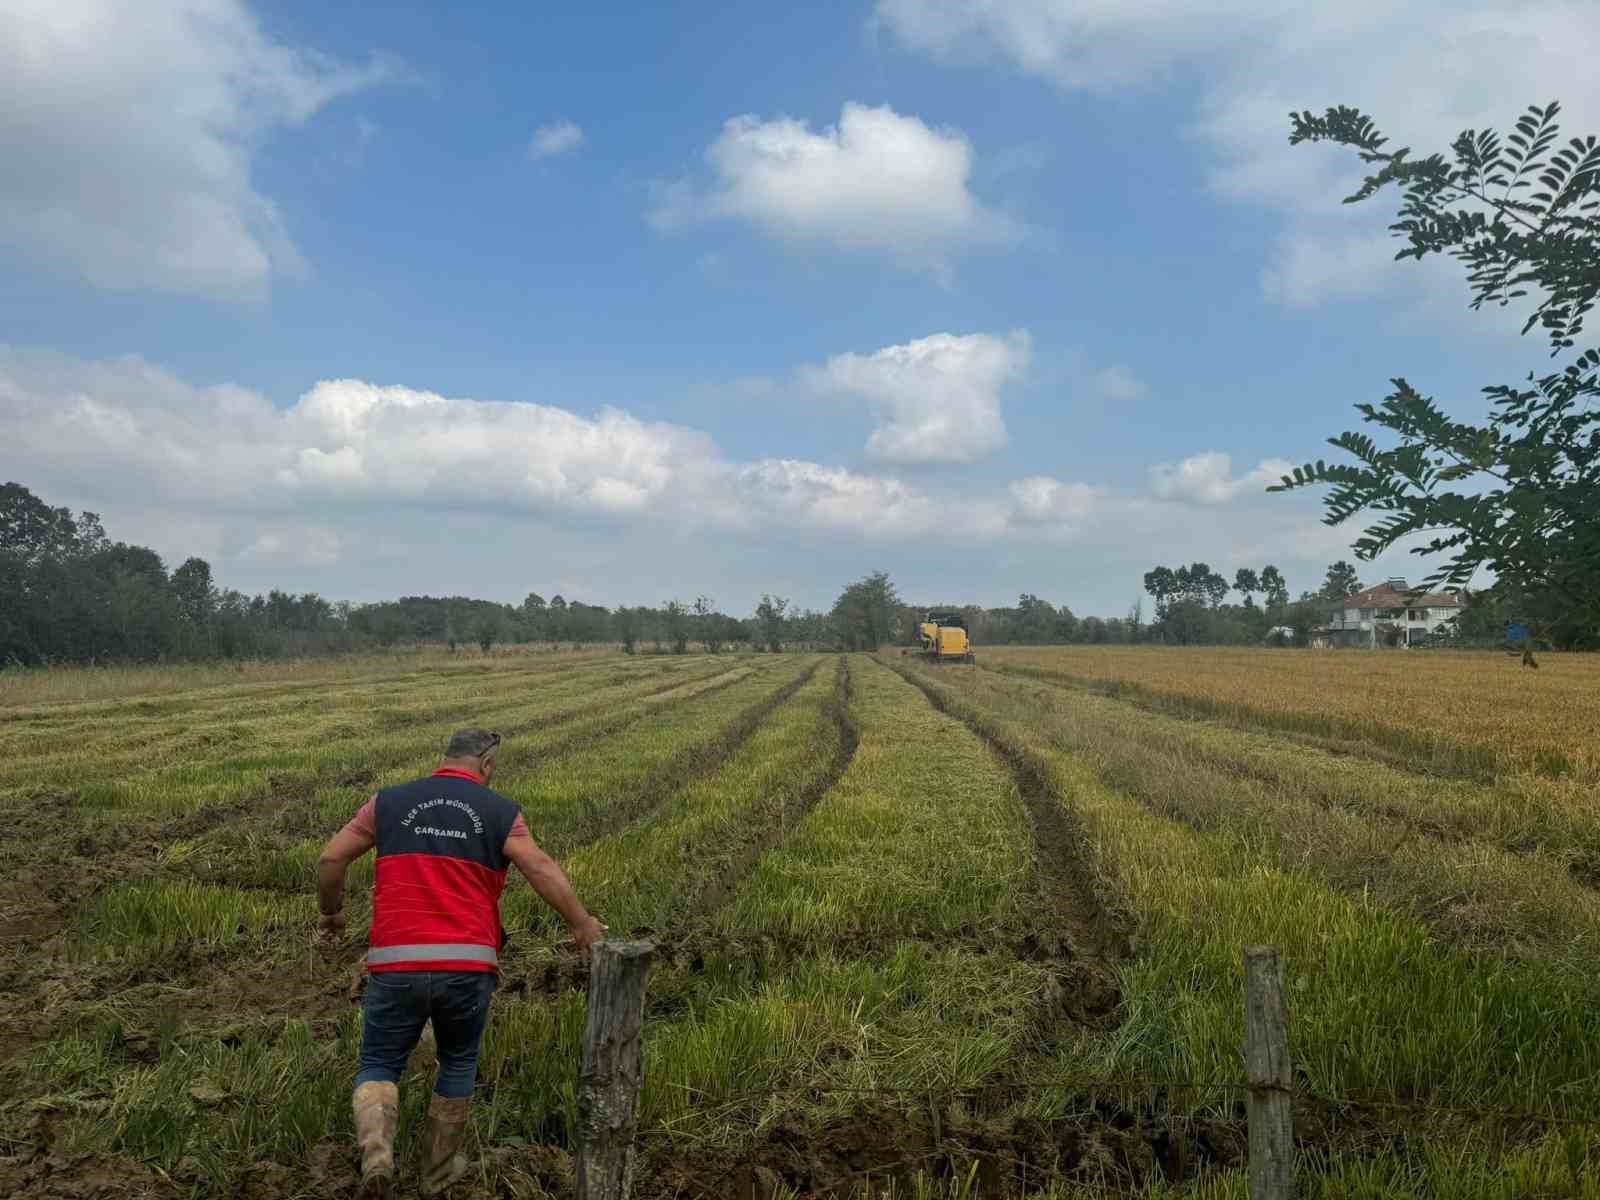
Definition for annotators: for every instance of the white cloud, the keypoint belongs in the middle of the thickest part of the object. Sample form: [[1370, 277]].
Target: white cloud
[[1424, 70], [362, 491], [1208, 478], [555, 138], [1044, 500], [126, 431], [875, 181], [1079, 43], [1119, 383], [937, 398], [131, 128], [1312, 267]]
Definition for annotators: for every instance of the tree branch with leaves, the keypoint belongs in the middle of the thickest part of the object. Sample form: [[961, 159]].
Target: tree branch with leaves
[[1517, 495]]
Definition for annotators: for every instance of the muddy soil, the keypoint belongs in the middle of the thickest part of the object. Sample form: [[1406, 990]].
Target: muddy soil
[[878, 1145]]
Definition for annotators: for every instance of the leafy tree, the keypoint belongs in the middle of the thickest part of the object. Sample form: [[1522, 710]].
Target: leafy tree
[[534, 613], [863, 615], [675, 618], [1247, 581], [1198, 583], [626, 624], [1036, 619], [710, 630], [30, 528], [1272, 583], [769, 621], [1517, 493], [1341, 581], [1162, 584]]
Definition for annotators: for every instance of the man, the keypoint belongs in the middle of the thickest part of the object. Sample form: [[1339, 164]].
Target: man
[[444, 844]]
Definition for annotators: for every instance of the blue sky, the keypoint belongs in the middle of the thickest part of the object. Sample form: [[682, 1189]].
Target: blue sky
[[994, 296]]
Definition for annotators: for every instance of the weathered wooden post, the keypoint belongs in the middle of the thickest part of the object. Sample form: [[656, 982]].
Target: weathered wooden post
[[612, 1074], [1266, 1056]]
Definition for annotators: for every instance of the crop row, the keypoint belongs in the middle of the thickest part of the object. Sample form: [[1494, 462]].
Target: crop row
[[870, 948], [893, 894], [223, 739], [1474, 715], [1380, 1006], [1498, 867], [217, 907]]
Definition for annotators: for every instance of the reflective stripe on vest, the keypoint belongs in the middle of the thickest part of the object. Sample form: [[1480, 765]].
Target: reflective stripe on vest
[[445, 952]]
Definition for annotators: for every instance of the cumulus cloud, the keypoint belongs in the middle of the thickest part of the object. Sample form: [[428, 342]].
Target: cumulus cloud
[[877, 180], [1208, 478], [133, 126], [937, 398], [1045, 500], [360, 491], [1424, 70], [554, 139], [127, 431]]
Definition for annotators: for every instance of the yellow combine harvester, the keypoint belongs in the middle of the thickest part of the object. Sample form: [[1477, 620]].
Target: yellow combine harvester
[[944, 638]]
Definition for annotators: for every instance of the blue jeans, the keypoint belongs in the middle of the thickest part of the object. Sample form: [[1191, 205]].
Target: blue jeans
[[400, 1003]]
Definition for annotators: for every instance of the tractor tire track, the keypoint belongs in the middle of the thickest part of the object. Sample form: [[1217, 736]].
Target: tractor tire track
[[1078, 936], [568, 971], [679, 941], [1577, 856], [688, 765]]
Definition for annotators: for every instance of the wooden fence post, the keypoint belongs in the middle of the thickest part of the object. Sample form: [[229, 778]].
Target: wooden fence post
[[1266, 1056], [612, 1074]]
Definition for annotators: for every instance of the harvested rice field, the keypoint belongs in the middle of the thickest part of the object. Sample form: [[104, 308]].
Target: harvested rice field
[[924, 932]]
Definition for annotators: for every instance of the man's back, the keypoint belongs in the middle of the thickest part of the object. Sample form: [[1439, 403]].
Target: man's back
[[441, 868]]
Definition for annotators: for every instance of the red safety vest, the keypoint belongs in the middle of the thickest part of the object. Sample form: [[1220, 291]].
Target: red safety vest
[[441, 867]]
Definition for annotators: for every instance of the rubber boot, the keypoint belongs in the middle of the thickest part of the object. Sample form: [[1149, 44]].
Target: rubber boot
[[377, 1112], [442, 1165]]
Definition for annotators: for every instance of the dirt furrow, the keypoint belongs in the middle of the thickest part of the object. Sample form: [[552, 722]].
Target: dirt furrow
[[684, 940], [55, 876], [690, 764], [1074, 931]]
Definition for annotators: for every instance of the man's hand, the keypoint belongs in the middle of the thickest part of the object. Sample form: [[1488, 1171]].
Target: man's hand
[[587, 932], [330, 928], [555, 889]]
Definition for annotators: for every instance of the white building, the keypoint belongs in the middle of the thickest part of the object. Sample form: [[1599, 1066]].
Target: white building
[[1390, 615]]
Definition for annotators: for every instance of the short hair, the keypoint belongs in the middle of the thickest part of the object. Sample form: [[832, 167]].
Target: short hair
[[471, 743]]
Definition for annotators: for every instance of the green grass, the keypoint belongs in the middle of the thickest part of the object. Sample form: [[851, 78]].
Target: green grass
[[156, 918], [645, 877], [572, 799], [865, 959], [1359, 825], [174, 773], [924, 835], [1379, 1004]]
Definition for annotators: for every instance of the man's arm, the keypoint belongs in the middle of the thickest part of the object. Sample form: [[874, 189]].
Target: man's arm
[[343, 848], [554, 888]]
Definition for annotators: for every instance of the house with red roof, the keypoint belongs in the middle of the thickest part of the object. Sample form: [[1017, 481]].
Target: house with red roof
[[1391, 615]]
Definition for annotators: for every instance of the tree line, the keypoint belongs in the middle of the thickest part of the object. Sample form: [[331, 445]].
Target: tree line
[[1190, 605], [71, 594]]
